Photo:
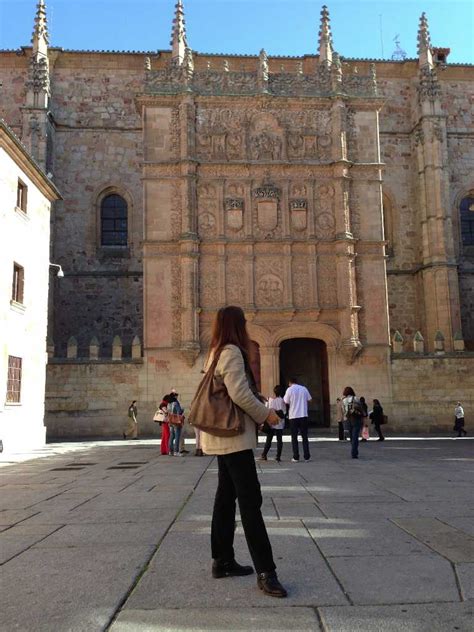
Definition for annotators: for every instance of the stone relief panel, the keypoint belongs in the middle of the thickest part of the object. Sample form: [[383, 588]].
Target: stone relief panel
[[236, 280], [266, 135], [269, 286], [301, 282], [209, 281], [325, 222], [265, 138], [176, 310], [176, 204], [327, 281], [207, 209]]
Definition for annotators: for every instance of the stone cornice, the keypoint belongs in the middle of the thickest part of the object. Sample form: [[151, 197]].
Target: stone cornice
[[19, 154]]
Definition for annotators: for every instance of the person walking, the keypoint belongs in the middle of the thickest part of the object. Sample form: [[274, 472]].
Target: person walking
[[131, 431], [298, 396], [174, 408], [278, 405], [459, 420], [237, 473], [340, 419], [376, 417], [354, 414]]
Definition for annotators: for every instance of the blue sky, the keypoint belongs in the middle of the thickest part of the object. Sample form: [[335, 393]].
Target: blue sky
[[282, 27]]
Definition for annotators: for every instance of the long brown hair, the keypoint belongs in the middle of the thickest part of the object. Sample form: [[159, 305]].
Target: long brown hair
[[229, 328]]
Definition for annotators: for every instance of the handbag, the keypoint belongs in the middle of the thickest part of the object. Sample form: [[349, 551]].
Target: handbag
[[160, 416], [384, 419], [365, 432], [212, 410]]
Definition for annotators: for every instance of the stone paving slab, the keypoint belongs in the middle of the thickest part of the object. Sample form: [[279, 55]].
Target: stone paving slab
[[361, 538], [391, 579], [461, 523], [300, 566], [276, 619], [76, 589], [448, 617], [466, 579], [453, 544]]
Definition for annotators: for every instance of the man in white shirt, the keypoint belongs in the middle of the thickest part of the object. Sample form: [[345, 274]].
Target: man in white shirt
[[297, 397]]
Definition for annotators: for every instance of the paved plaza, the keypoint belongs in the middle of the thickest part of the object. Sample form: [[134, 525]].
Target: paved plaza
[[114, 536]]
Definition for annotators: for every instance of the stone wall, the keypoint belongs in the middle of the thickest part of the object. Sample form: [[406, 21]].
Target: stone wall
[[426, 389]]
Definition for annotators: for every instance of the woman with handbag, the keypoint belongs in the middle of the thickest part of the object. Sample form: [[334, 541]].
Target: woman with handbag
[[175, 422], [237, 474], [162, 416], [279, 406]]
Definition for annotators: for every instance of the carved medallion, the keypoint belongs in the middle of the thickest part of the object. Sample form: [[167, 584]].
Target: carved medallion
[[325, 224], [270, 290]]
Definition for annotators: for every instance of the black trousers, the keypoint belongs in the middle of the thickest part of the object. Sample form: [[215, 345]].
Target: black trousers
[[299, 424], [378, 430], [279, 436], [238, 480], [340, 430]]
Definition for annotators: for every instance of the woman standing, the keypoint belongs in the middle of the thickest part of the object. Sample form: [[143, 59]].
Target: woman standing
[[377, 418], [278, 405], [354, 414], [174, 408], [364, 431], [340, 419], [237, 474], [165, 428], [131, 432]]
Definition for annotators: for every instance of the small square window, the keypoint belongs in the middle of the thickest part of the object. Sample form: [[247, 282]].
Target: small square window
[[21, 196], [18, 283], [14, 380]]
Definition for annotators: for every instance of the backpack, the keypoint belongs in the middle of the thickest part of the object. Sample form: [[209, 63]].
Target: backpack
[[355, 410]]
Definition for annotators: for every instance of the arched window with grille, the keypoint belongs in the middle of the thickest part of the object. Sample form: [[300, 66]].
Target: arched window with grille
[[466, 212], [113, 221]]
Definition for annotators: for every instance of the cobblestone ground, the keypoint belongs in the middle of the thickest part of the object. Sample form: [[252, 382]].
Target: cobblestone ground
[[114, 536]]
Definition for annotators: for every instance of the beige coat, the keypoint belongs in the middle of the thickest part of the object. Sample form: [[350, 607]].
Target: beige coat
[[231, 369]]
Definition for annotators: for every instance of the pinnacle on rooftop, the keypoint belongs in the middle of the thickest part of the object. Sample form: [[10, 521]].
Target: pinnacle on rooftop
[[178, 34], [325, 37], [424, 42], [40, 38]]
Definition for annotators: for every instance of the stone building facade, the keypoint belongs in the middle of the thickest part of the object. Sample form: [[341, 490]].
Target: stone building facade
[[26, 196], [332, 198]]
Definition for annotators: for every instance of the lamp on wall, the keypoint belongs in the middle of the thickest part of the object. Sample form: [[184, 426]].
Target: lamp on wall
[[60, 272]]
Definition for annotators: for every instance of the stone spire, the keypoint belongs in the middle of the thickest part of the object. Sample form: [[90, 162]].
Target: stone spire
[[40, 38], [325, 37], [178, 35], [425, 55]]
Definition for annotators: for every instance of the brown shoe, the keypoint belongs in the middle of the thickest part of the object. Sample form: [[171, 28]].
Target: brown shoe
[[269, 584]]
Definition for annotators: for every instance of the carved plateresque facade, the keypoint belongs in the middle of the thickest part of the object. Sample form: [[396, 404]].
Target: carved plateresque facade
[[321, 194]]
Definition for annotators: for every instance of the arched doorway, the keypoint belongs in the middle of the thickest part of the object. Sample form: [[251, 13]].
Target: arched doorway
[[306, 359]]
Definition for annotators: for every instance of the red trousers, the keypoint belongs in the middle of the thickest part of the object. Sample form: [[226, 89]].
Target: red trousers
[[165, 437]]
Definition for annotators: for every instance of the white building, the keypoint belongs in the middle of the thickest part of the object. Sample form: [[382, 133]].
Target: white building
[[26, 195]]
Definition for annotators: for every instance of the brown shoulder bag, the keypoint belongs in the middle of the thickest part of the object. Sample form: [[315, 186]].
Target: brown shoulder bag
[[212, 410]]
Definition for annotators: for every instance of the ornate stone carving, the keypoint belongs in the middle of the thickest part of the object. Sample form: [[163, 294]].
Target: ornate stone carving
[[176, 310], [39, 75], [236, 282], [209, 282], [301, 282], [325, 225], [207, 209], [299, 214], [265, 138], [266, 210], [327, 281], [429, 88], [175, 216], [234, 212], [269, 287]]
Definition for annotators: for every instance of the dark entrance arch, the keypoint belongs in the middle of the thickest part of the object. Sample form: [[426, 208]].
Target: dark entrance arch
[[307, 360]]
